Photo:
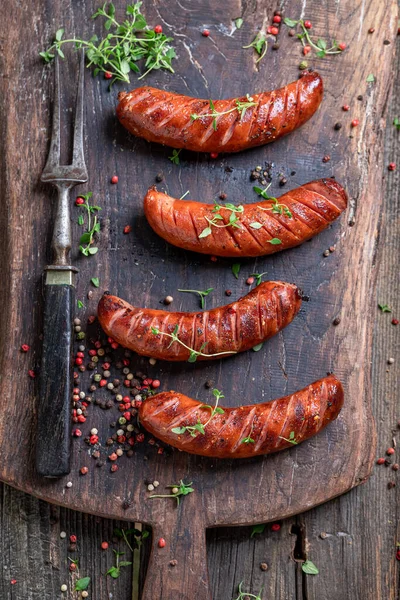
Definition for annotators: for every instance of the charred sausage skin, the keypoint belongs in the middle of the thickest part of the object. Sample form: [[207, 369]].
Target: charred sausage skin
[[313, 207], [164, 117], [270, 425], [233, 328]]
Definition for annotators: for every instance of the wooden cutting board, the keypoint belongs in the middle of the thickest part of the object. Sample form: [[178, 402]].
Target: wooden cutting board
[[143, 269]]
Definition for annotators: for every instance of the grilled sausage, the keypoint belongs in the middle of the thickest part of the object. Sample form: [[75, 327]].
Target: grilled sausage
[[164, 117], [312, 207], [229, 329], [245, 431]]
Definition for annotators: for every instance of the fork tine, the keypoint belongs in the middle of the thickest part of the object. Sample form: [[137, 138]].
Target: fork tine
[[78, 158], [53, 159]]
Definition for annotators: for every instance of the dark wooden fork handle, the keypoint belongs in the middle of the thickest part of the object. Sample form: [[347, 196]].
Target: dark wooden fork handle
[[55, 383]]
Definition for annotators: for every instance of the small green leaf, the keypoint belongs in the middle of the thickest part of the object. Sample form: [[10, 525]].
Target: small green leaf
[[114, 572], [193, 357], [321, 44], [275, 241], [290, 22], [258, 347], [236, 269], [81, 220], [93, 250], [125, 68], [396, 123], [80, 304], [370, 78], [256, 225], [85, 238], [206, 232], [257, 529], [385, 308], [238, 23], [309, 568], [82, 584], [95, 281], [59, 34], [125, 563], [320, 54], [178, 430]]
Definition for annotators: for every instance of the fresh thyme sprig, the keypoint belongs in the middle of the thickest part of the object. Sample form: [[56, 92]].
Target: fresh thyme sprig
[[291, 439], [194, 354], [199, 427], [241, 107], [115, 571], [320, 46], [174, 158], [276, 207], [124, 45], [248, 439], [202, 295], [245, 595], [259, 44], [258, 277], [87, 238], [233, 218], [181, 489]]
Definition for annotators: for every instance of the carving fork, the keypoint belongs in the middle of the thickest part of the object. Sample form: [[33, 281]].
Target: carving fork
[[56, 379]]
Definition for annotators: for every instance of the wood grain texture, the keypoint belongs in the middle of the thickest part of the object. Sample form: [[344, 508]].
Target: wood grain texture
[[324, 347]]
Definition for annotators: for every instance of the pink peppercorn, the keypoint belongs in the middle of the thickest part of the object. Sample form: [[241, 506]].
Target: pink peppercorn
[[97, 344], [113, 456], [250, 280], [84, 470], [214, 154], [127, 229], [140, 437], [114, 179], [160, 450], [390, 451], [273, 30], [13, 581], [158, 29], [114, 345], [114, 468], [92, 352], [345, 107], [79, 201], [138, 403], [25, 348], [355, 123], [127, 415], [81, 419], [306, 50], [72, 539], [156, 383], [78, 361], [392, 166], [275, 527], [31, 373], [395, 321], [205, 32], [107, 75], [342, 46], [307, 24], [104, 545], [277, 19], [94, 439], [77, 433], [126, 362], [161, 543], [102, 382], [380, 461], [131, 441]]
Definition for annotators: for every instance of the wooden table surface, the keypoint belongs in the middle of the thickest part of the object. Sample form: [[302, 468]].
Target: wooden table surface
[[352, 539]]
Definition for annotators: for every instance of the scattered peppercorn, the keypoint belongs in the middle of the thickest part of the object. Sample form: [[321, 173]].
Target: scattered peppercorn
[[222, 196], [380, 461], [395, 321], [173, 562], [159, 177], [390, 361], [161, 543], [275, 527], [371, 30], [395, 467], [25, 348], [250, 280], [228, 292], [73, 539], [274, 30], [337, 126], [84, 470], [342, 46], [31, 373], [336, 321], [390, 451], [114, 179], [127, 229], [263, 566], [158, 29], [345, 107], [275, 46], [306, 50], [355, 123], [214, 154], [205, 32], [391, 485], [326, 158], [79, 201], [392, 166]]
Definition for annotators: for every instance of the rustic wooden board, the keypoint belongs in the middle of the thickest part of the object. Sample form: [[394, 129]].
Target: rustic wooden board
[[145, 270]]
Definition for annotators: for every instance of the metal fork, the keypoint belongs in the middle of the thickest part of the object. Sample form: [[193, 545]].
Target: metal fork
[[56, 380]]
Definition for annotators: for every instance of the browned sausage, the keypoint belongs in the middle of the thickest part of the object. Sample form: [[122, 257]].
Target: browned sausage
[[312, 207], [245, 431], [218, 332], [164, 117]]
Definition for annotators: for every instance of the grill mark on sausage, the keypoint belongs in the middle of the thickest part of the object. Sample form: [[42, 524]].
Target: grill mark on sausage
[[243, 433], [230, 131], [252, 233], [254, 121], [165, 406], [314, 210], [325, 198]]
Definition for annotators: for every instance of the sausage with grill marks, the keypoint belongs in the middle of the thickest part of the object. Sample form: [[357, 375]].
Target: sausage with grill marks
[[165, 117], [245, 431], [237, 327], [312, 208]]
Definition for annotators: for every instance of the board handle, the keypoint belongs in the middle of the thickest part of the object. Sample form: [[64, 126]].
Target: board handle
[[179, 569]]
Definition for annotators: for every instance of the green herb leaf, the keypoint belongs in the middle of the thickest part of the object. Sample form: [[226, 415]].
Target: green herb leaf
[[290, 22], [80, 304], [82, 584], [59, 34], [322, 44], [238, 23], [384, 308], [309, 568], [95, 281], [93, 250], [396, 123], [275, 241], [206, 232], [257, 529], [258, 347], [201, 293], [370, 78], [178, 430], [114, 572], [236, 269], [81, 220], [256, 225]]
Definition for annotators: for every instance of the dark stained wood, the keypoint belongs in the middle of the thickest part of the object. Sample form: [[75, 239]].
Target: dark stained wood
[[341, 284]]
